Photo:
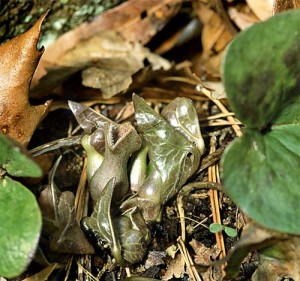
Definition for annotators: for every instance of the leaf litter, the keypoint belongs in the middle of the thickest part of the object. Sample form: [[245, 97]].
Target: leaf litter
[[178, 80]]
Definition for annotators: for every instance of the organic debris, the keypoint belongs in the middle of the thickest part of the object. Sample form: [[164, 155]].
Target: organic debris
[[135, 191], [19, 59]]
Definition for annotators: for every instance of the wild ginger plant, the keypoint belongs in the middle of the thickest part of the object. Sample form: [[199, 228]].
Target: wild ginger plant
[[261, 74], [20, 216]]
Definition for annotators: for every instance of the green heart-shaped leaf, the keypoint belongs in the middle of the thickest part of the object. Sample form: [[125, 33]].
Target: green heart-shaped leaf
[[261, 175], [15, 160], [261, 69], [260, 170], [20, 226]]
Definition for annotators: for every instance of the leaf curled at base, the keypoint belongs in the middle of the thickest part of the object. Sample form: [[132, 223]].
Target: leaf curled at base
[[18, 61], [173, 158]]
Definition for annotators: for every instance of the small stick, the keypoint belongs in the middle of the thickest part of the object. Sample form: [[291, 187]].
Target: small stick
[[214, 201]]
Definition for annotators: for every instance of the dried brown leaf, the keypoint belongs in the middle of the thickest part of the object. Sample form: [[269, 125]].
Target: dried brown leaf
[[155, 258], [241, 18], [282, 264], [262, 9], [215, 37], [107, 63], [135, 20], [18, 61], [204, 255], [176, 268]]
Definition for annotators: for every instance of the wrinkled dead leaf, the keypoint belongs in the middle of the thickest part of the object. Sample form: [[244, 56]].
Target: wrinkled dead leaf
[[262, 8], [155, 258], [19, 59], [135, 21], [215, 37], [279, 261], [216, 88], [204, 255], [107, 63], [243, 18], [175, 269]]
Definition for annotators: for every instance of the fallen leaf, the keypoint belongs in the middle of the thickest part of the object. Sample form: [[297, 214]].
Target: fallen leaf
[[253, 237], [175, 269], [241, 18], [107, 63], [215, 37], [136, 21], [279, 261], [262, 9], [19, 59], [155, 258], [204, 255]]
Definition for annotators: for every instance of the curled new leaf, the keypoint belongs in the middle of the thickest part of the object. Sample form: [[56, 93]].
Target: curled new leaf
[[120, 142], [133, 234], [93, 124], [18, 61], [173, 158], [182, 115], [88, 119], [126, 235], [100, 224]]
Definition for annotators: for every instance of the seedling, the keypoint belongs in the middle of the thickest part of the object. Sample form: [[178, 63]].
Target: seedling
[[216, 227]]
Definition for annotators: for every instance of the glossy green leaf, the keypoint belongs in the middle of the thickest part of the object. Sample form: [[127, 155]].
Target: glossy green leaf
[[173, 159], [261, 175], [261, 69], [133, 233], [260, 170], [215, 227], [20, 226], [167, 146], [182, 115], [15, 160]]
